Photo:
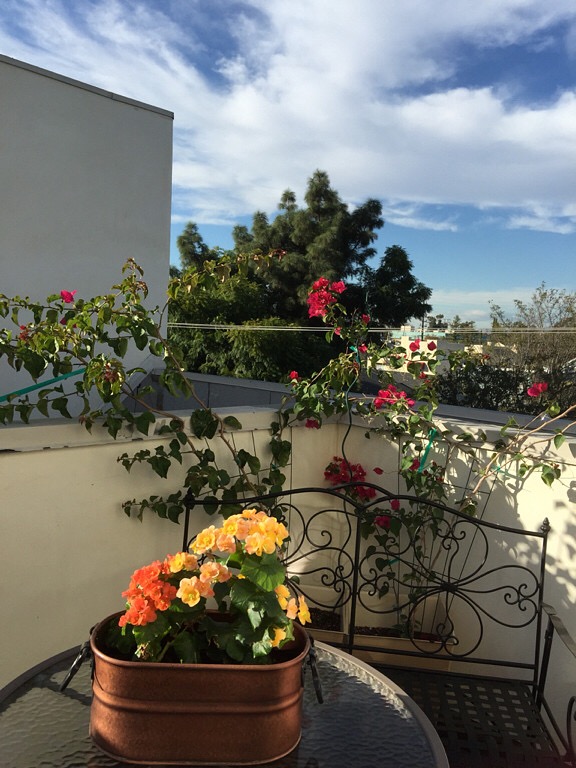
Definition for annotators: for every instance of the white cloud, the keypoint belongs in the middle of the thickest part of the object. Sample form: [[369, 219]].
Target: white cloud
[[365, 91]]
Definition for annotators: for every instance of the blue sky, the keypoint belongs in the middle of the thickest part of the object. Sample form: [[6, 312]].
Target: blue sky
[[459, 115]]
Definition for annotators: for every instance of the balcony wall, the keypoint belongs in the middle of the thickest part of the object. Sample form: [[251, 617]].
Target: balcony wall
[[67, 549]]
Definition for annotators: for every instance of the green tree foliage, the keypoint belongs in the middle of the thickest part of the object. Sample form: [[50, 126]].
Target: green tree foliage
[[193, 250], [537, 343], [393, 294], [323, 238]]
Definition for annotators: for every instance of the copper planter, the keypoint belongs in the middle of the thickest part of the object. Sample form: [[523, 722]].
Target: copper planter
[[197, 714]]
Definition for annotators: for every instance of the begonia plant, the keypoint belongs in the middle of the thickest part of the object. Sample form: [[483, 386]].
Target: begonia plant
[[227, 600]]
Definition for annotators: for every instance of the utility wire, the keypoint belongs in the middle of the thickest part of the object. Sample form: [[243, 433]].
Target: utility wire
[[314, 329]]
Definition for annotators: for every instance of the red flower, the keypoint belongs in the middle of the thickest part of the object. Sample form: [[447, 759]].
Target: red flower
[[391, 396], [312, 424], [339, 471], [362, 348], [415, 345], [68, 296], [383, 521], [537, 389], [365, 319], [322, 296], [294, 376], [378, 470], [318, 303], [395, 505], [415, 465], [338, 331], [432, 345]]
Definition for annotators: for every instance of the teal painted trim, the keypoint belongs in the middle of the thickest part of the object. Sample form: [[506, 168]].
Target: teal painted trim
[[25, 391], [431, 435]]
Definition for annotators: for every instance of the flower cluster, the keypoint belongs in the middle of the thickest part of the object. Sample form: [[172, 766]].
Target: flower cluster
[[237, 566], [537, 389], [323, 294], [340, 471], [392, 396]]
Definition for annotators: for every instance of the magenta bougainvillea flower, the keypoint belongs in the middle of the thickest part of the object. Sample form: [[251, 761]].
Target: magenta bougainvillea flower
[[537, 389], [323, 294], [392, 395], [67, 296]]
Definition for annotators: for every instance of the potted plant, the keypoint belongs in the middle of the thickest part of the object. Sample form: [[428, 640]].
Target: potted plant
[[205, 664]]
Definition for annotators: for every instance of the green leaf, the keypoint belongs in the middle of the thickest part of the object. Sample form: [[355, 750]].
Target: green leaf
[[232, 422], [559, 439], [140, 339], [120, 345], [160, 464], [264, 570], [60, 404], [186, 647], [243, 458], [281, 450], [33, 363], [143, 421], [203, 423]]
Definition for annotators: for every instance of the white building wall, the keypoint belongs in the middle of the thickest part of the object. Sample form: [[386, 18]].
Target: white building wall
[[85, 183]]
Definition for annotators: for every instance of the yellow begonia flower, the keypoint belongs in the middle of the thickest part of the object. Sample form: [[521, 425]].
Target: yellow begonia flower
[[303, 611], [189, 592], [292, 608], [230, 525], [283, 594], [279, 635], [205, 540], [182, 561]]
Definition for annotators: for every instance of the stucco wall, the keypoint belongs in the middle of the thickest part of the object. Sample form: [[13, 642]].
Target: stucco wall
[[85, 183]]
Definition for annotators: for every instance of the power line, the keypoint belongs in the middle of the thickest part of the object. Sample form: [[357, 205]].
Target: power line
[[314, 329]]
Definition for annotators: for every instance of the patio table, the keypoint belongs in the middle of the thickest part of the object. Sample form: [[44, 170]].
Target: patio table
[[365, 720]]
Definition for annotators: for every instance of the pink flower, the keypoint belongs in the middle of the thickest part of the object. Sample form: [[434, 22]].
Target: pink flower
[[432, 345], [537, 389], [365, 319], [383, 521], [312, 424], [415, 345], [338, 331], [322, 282], [395, 505], [362, 348], [67, 296], [338, 287]]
